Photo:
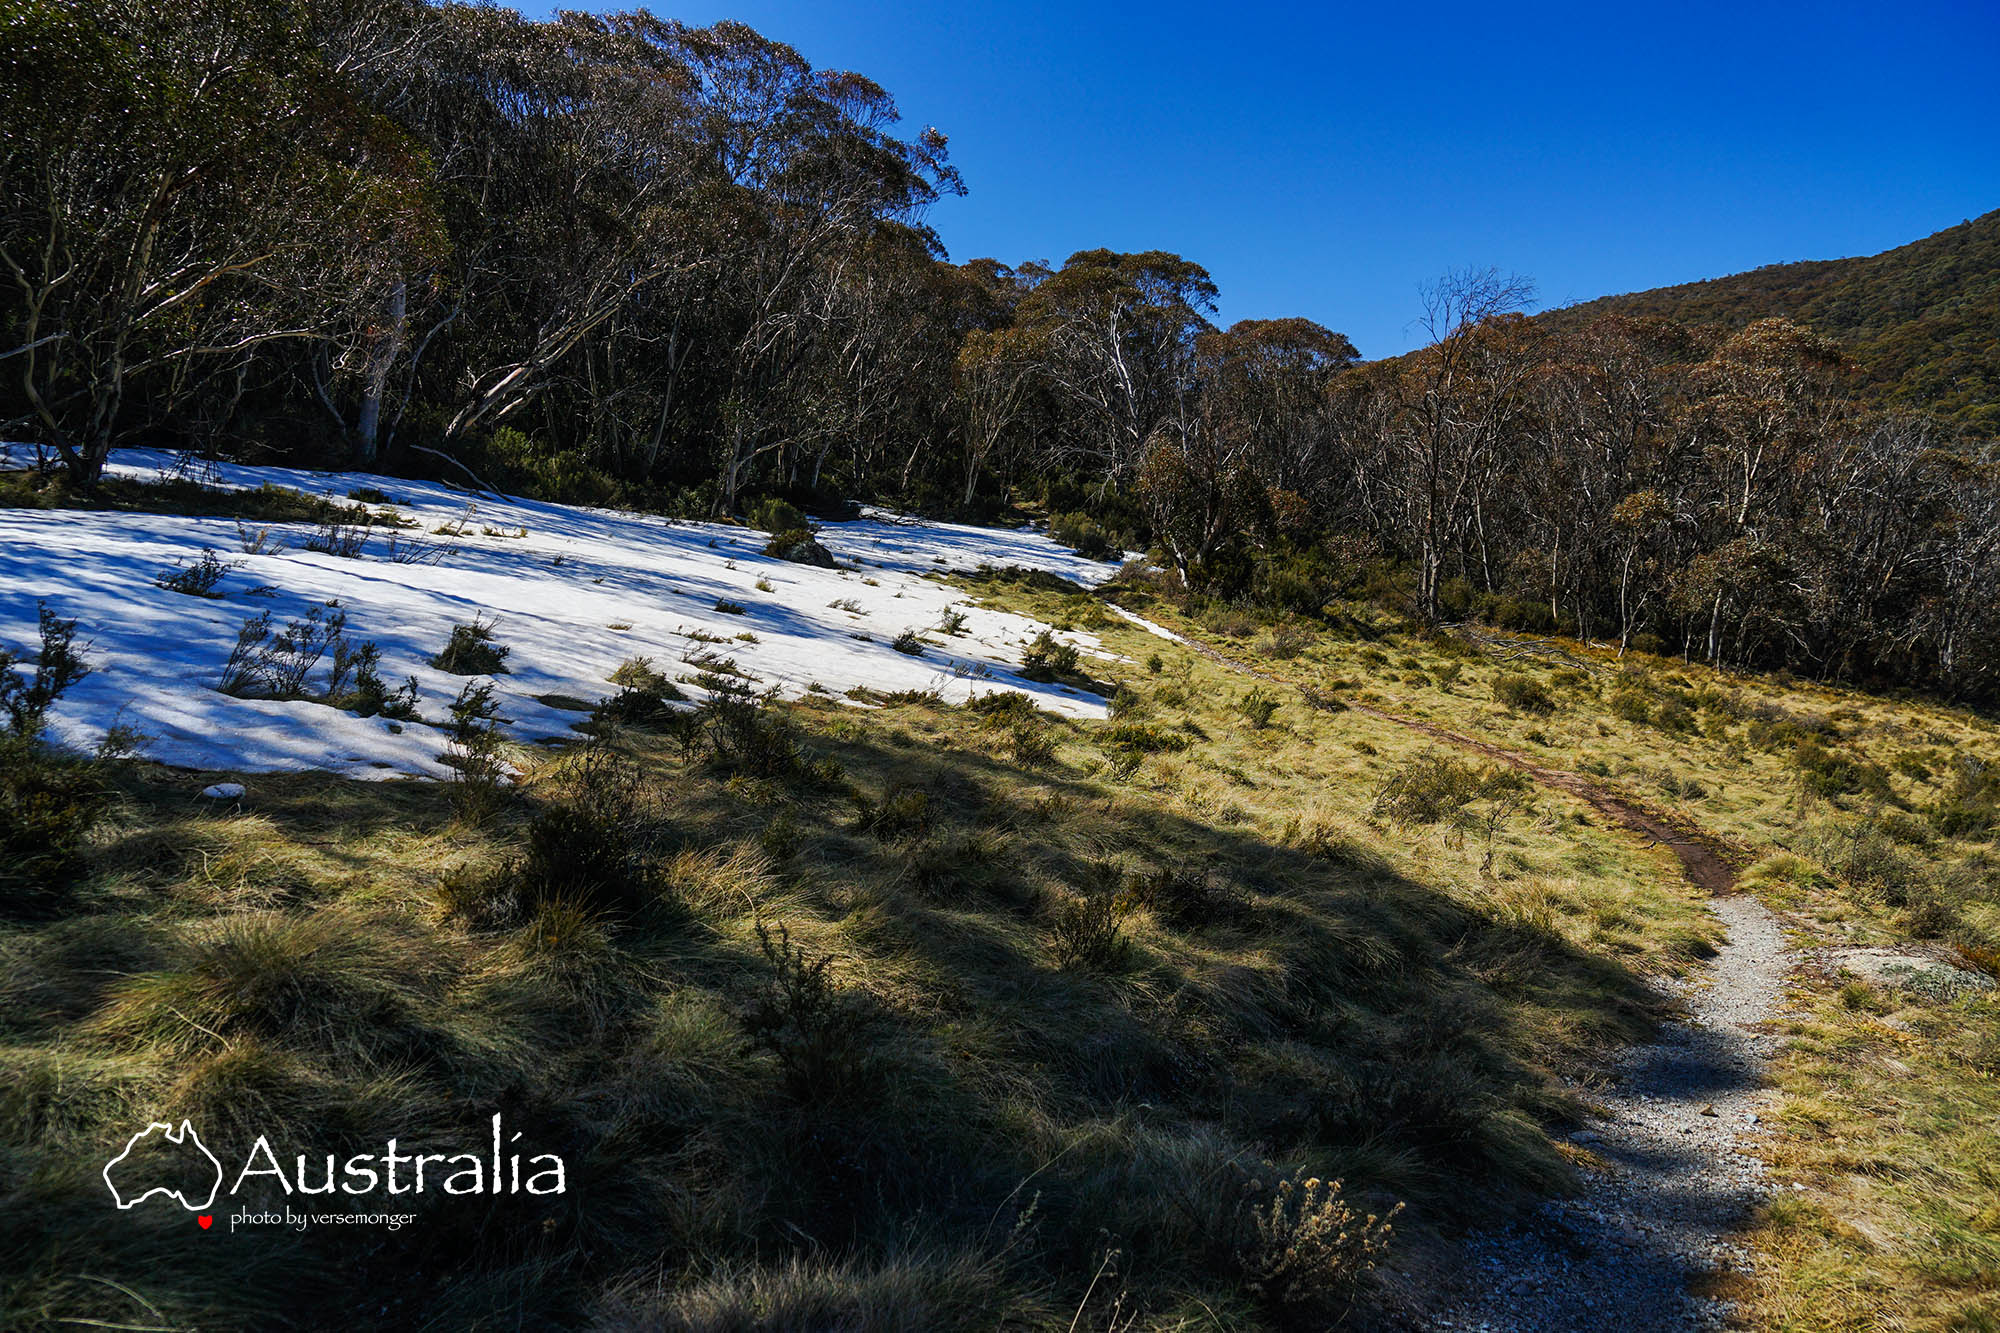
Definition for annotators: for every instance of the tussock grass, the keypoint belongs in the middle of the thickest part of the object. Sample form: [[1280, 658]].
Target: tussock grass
[[1871, 820], [799, 1002]]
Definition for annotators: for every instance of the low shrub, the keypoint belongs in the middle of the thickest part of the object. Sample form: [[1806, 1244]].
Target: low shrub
[[902, 811], [1257, 708], [1522, 694], [1436, 788], [473, 752], [772, 513], [1049, 659], [48, 805], [198, 579], [1086, 929], [1298, 1243], [799, 546], [644, 699], [1143, 738], [746, 734], [59, 665], [1285, 642], [346, 540], [267, 664], [908, 644], [1032, 743], [471, 651], [1631, 705], [1827, 773], [819, 1036], [1084, 535]]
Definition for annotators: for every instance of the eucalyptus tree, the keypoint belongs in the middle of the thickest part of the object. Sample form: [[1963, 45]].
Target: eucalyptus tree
[[1121, 332], [182, 187]]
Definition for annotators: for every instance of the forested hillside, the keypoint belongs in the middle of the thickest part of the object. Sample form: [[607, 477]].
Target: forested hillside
[[620, 259], [1921, 322]]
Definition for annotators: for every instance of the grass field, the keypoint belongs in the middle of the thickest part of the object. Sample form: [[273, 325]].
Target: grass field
[[1869, 822], [914, 1016]]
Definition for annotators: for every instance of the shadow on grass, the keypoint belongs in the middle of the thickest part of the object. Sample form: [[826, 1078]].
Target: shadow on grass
[[1341, 1018]]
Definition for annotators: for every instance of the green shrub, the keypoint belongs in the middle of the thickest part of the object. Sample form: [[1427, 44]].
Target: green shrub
[[1032, 742], [1435, 788], [1630, 704], [471, 651], [1827, 772], [902, 811], [773, 514], [198, 579], [1522, 694], [644, 699], [1257, 708], [584, 846], [908, 644], [1085, 930], [818, 1035], [799, 546], [1082, 534], [1285, 642], [750, 735], [729, 608], [48, 806], [59, 665], [1048, 658], [473, 753]]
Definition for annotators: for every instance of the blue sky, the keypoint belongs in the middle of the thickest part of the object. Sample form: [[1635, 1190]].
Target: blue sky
[[1327, 160]]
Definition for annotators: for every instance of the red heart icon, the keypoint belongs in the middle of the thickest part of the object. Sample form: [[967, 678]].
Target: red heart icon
[[206, 1221]]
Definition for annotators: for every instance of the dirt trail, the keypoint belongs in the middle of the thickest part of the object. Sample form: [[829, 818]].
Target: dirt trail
[[1645, 1246]]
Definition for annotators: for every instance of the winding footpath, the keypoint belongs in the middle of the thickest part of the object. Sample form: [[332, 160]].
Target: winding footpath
[[1645, 1246]]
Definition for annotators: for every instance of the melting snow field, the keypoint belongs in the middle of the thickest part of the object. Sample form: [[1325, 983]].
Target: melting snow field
[[582, 591]]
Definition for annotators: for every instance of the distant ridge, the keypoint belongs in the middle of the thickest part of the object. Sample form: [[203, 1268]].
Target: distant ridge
[[1922, 321]]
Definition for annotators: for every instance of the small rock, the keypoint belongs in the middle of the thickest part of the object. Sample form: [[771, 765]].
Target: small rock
[[224, 791], [1709, 1109]]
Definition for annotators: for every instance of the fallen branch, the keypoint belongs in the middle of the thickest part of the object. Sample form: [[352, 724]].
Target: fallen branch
[[484, 489]]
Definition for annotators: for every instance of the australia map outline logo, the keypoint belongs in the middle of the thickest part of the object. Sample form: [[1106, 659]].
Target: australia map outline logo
[[179, 1137]]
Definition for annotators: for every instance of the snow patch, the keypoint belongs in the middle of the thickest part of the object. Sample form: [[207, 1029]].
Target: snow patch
[[582, 591]]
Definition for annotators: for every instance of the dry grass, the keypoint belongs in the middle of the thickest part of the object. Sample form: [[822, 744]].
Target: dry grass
[[1890, 1120], [909, 1110]]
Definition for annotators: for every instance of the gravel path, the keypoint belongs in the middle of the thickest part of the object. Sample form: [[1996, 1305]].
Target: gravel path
[[1671, 1181]]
